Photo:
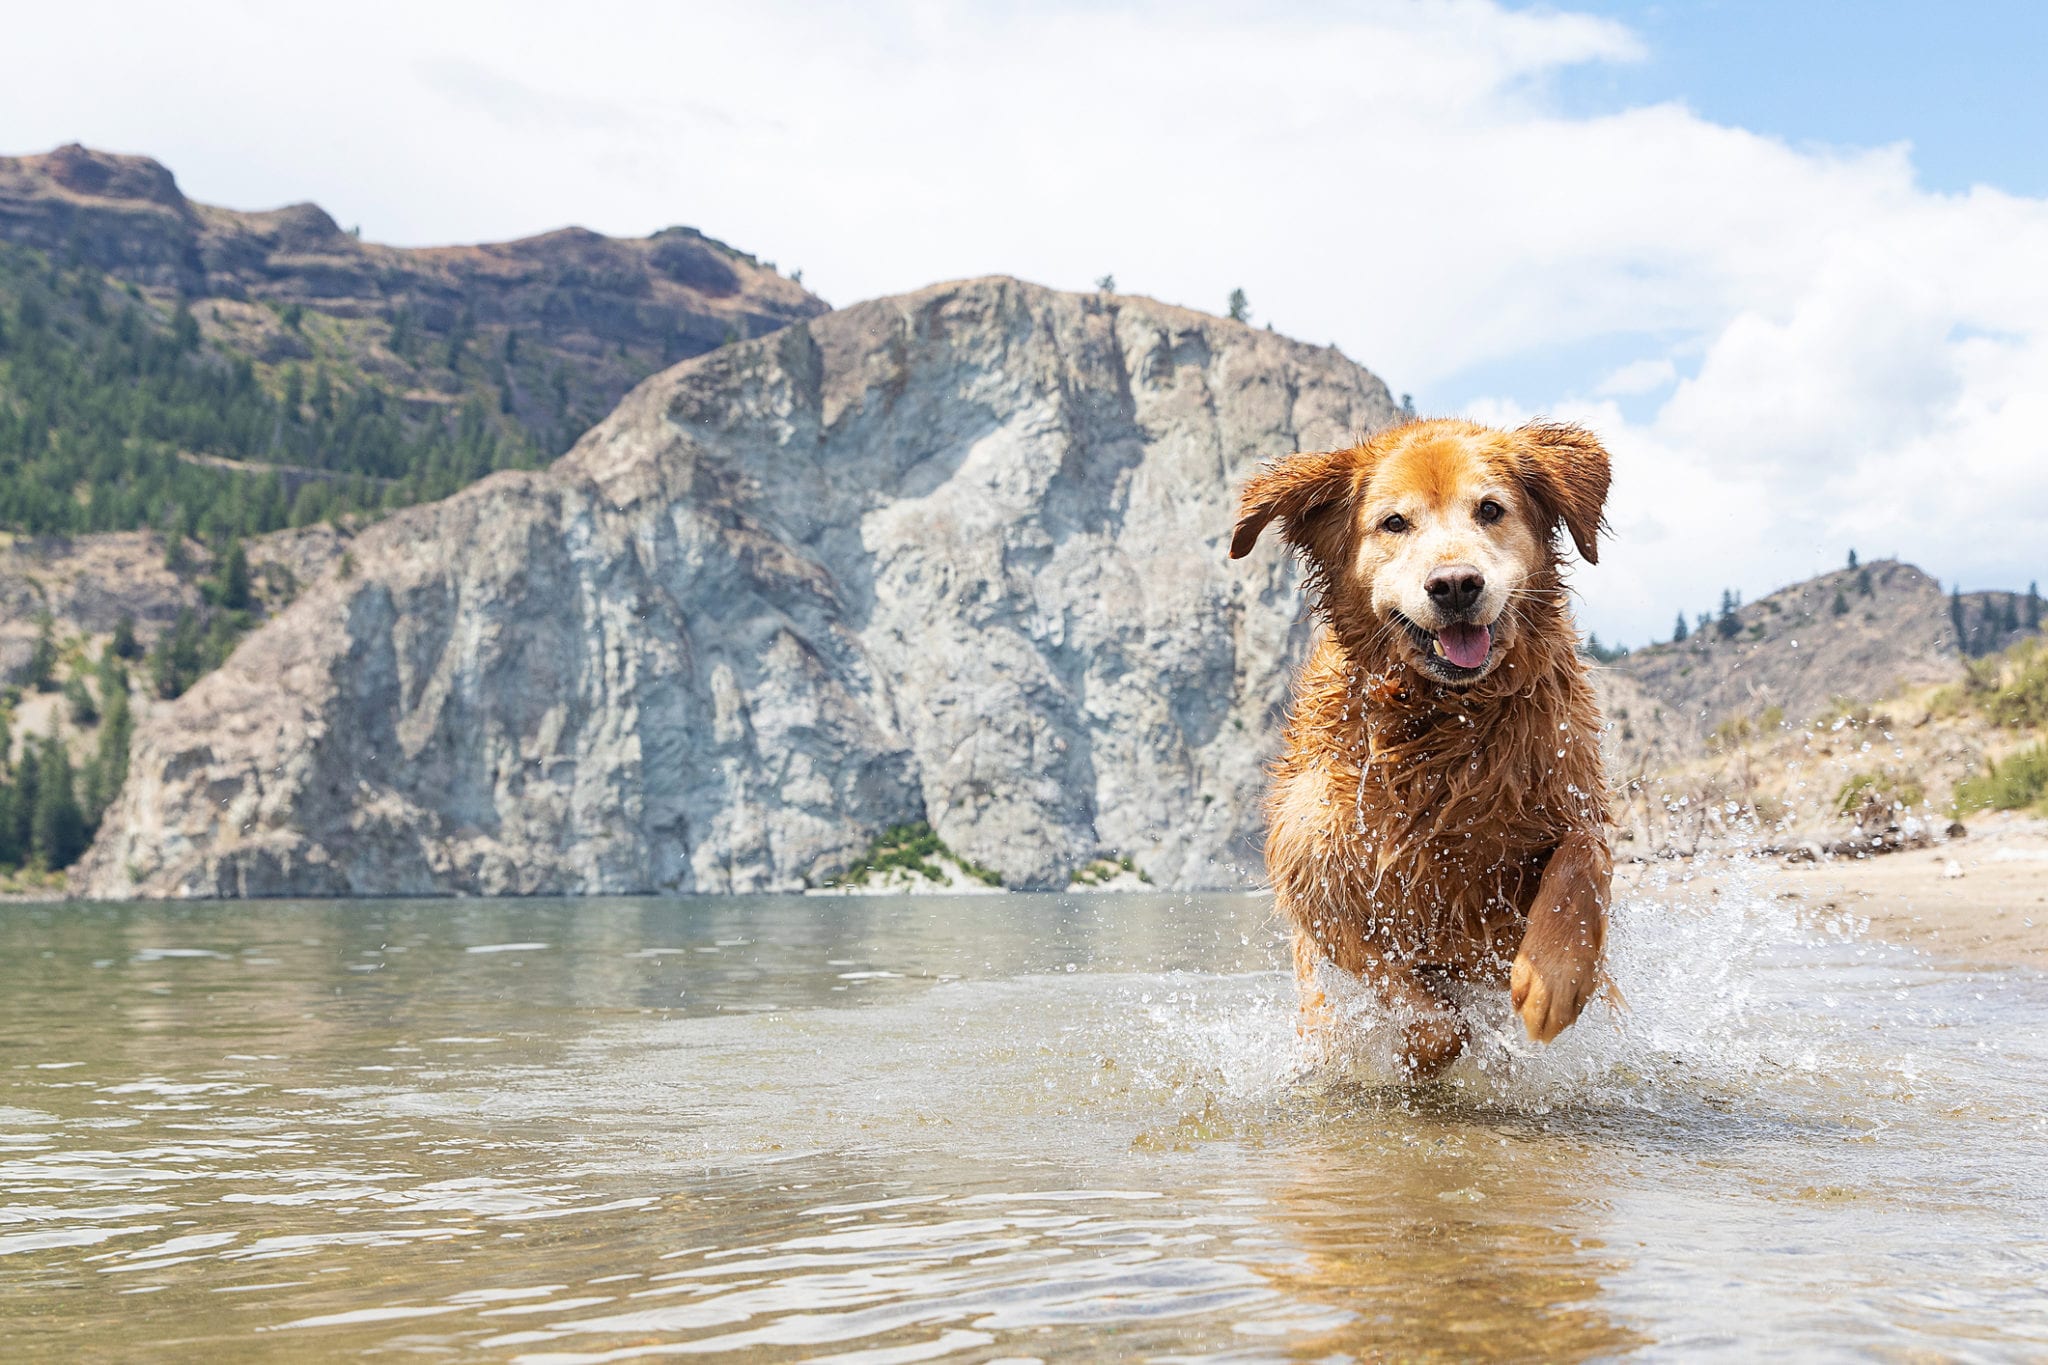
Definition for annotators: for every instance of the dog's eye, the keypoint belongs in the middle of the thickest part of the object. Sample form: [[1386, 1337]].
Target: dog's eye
[[1491, 511], [1395, 524]]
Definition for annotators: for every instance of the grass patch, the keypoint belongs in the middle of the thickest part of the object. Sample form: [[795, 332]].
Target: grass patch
[[2018, 781], [915, 849], [1102, 871], [2009, 689]]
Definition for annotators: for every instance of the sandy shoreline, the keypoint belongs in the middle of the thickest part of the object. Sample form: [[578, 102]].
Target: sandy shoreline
[[1981, 900]]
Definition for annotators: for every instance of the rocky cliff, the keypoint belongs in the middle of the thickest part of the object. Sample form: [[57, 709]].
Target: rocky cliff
[[955, 557], [593, 314]]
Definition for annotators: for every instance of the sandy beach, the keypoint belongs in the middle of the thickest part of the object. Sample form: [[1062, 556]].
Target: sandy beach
[[1981, 899]]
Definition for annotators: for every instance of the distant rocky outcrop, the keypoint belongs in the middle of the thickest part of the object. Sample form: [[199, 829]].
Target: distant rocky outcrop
[[606, 312], [955, 557], [1852, 635]]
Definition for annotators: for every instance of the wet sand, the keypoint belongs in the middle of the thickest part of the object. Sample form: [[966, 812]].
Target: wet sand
[[1980, 900]]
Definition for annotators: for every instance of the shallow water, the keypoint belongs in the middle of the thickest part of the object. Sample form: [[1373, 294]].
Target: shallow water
[[990, 1128]]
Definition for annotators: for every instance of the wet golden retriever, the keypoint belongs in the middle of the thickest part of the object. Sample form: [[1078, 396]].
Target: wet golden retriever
[[1439, 812]]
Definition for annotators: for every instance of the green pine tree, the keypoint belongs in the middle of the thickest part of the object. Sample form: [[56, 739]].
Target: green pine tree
[[1726, 624], [57, 831], [1679, 634], [78, 700], [40, 672], [231, 585], [124, 644], [2033, 606], [1240, 307], [1955, 616], [13, 849], [109, 767], [19, 812]]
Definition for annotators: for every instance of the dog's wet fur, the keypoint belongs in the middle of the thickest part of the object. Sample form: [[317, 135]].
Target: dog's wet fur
[[1438, 811]]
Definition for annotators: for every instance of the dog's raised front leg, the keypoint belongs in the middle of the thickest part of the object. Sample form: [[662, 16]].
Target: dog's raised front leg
[[1557, 968]]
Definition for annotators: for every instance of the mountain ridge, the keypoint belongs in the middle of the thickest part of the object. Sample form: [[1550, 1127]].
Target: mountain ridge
[[606, 311]]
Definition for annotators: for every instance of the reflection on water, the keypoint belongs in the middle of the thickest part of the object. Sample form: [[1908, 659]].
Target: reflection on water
[[1005, 1127]]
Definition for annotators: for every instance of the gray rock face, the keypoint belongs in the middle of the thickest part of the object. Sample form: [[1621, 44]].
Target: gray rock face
[[955, 556]]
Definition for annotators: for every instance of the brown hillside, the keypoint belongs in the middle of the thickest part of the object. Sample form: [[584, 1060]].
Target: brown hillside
[[593, 315], [1855, 633]]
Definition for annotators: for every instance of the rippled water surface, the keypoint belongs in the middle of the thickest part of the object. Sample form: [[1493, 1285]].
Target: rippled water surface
[[989, 1128]]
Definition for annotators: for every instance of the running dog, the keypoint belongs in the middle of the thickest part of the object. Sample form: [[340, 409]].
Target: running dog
[[1438, 812]]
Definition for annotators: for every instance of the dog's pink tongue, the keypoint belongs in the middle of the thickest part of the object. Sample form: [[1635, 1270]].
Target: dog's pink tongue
[[1465, 646]]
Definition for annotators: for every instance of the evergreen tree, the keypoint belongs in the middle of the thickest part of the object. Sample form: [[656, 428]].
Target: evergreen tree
[[16, 837], [124, 645], [109, 767], [1863, 583], [40, 672], [1727, 625], [1955, 616], [78, 701], [13, 845], [1841, 603], [1679, 634], [57, 832], [1852, 556], [2033, 606], [401, 341], [231, 587], [11, 853], [1240, 307], [174, 663]]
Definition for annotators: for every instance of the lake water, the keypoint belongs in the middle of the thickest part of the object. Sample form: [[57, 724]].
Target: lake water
[[990, 1128]]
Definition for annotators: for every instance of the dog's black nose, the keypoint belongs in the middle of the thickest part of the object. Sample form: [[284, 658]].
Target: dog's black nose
[[1455, 587]]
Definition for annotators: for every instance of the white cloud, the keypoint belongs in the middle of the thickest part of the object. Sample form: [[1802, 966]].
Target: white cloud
[[1867, 362], [1639, 376]]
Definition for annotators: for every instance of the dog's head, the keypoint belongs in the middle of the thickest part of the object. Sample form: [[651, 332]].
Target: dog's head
[[1426, 539]]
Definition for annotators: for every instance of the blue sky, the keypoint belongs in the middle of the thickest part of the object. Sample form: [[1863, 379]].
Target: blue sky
[[1963, 82], [1789, 260]]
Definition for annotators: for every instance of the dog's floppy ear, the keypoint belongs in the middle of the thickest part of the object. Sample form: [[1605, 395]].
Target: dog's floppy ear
[[1566, 469], [1291, 488]]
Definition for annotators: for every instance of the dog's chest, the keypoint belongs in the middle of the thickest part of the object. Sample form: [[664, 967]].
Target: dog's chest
[[1445, 810]]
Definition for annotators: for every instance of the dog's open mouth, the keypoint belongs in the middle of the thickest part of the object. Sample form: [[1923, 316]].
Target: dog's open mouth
[[1457, 652], [1466, 646]]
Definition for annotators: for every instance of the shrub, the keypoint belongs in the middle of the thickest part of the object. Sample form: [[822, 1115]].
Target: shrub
[[913, 848], [2020, 780], [1869, 798], [2009, 689]]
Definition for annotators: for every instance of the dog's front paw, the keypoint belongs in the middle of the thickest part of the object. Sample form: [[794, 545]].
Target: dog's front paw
[[1550, 983]]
